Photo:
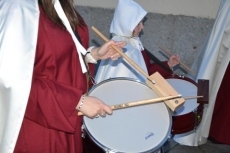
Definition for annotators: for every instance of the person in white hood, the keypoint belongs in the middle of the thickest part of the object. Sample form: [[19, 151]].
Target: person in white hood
[[126, 26], [43, 79]]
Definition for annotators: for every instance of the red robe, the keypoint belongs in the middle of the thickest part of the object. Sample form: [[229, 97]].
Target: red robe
[[51, 123], [153, 67], [220, 125]]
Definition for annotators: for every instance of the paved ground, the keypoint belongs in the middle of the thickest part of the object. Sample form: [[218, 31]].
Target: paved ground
[[173, 147]]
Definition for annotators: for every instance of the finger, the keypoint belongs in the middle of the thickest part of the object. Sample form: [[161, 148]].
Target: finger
[[116, 54], [109, 43], [103, 114], [108, 110], [120, 44], [113, 55], [114, 58]]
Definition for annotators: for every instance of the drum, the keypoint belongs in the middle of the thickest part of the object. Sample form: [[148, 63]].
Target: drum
[[188, 116], [135, 129]]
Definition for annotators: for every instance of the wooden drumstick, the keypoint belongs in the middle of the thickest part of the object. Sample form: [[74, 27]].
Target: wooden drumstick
[[162, 88], [182, 64], [124, 55], [144, 102], [193, 97]]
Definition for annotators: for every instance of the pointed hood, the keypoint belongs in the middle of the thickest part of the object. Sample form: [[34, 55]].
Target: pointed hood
[[127, 15]]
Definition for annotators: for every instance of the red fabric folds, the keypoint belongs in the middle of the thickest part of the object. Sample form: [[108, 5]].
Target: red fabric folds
[[153, 67], [51, 123], [220, 125]]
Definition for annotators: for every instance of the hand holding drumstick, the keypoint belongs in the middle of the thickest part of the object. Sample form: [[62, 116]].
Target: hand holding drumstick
[[173, 61], [182, 64], [145, 102]]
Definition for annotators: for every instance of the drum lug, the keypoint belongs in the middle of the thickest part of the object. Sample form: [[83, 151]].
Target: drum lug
[[110, 151], [195, 111], [182, 76], [195, 115], [170, 136], [83, 131], [197, 118]]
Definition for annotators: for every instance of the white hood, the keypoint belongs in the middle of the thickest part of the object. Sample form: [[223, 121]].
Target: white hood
[[126, 17]]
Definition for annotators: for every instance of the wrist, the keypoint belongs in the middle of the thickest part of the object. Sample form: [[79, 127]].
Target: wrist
[[171, 67], [81, 102], [90, 56]]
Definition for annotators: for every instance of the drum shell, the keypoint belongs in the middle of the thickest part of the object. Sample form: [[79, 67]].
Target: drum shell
[[186, 121]]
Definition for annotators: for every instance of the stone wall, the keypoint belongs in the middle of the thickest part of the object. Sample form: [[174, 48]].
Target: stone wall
[[182, 35]]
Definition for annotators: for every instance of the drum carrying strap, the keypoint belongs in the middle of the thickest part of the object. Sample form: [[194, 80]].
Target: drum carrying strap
[[89, 77]]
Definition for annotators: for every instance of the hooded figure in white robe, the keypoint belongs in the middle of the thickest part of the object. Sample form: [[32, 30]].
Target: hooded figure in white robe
[[15, 66], [211, 65], [122, 27]]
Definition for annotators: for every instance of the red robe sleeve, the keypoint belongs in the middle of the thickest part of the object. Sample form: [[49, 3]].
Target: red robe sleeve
[[52, 104], [153, 67]]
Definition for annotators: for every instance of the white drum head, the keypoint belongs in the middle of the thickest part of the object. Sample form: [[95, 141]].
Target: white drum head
[[186, 89], [137, 129]]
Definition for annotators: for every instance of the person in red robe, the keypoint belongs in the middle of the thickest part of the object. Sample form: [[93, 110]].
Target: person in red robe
[[51, 123], [220, 125], [165, 68]]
